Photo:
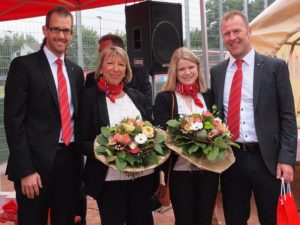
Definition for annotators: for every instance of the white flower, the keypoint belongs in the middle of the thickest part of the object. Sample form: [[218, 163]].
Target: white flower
[[133, 145], [196, 126], [140, 139]]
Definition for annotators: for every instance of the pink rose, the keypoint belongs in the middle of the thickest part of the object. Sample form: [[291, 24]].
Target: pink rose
[[197, 119], [118, 137], [207, 114], [135, 150], [126, 140]]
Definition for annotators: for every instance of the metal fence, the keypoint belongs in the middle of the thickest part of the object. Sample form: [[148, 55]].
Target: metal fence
[[21, 37]]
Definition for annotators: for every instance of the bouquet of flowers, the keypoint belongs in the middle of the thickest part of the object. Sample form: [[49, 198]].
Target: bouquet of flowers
[[202, 138], [133, 146]]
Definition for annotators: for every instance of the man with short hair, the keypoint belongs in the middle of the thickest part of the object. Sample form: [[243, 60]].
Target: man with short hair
[[254, 96], [40, 110], [140, 80]]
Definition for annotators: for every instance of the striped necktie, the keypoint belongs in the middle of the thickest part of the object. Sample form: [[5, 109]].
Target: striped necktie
[[234, 104], [64, 106]]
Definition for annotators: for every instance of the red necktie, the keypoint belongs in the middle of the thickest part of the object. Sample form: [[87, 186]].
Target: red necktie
[[234, 104], [63, 104]]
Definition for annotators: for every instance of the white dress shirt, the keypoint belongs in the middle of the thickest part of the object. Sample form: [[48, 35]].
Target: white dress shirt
[[51, 59], [247, 126]]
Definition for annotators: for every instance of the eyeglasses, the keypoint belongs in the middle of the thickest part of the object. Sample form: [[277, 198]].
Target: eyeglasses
[[57, 30]]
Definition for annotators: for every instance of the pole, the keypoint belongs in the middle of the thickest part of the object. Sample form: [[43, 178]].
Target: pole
[[187, 23], [100, 18], [79, 39], [204, 42], [221, 46]]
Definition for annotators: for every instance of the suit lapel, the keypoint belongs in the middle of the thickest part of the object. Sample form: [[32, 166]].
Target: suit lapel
[[47, 73], [102, 108], [221, 83], [70, 71], [258, 73]]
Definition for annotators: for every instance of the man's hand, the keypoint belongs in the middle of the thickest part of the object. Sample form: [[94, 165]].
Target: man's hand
[[285, 171], [31, 185]]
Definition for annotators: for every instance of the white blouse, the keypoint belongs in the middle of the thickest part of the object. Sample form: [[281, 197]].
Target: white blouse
[[121, 109], [181, 163]]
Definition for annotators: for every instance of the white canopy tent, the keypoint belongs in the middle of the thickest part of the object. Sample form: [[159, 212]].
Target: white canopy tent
[[276, 32]]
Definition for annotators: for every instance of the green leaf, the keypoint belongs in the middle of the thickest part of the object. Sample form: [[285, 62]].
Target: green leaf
[[212, 155], [193, 148], [130, 159], [173, 123], [221, 155], [105, 131], [102, 140], [153, 158], [207, 149], [109, 152], [220, 143], [122, 155], [160, 139], [158, 148], [101, 149], [120, 164], [112, 158]]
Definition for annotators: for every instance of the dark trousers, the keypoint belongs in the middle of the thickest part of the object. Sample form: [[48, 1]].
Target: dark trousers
[[246, 176], [126, 202], [193, 196], [59, 194]]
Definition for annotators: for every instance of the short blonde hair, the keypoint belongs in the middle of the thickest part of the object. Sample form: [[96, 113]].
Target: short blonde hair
[[233, 13], [187, 54], [114, 51]]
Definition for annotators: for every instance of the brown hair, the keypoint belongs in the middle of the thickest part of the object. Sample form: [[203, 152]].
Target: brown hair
[[60, 10], [115, 39], [187, 54], [233, 13], [113, 52]]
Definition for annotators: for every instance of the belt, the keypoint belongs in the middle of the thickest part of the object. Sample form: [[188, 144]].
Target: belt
[[249, 147], [64, 146]]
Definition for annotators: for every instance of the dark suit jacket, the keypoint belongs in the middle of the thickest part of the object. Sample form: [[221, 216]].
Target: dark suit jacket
[[162, 112], [92, 116], [31, 113], [274, 112]]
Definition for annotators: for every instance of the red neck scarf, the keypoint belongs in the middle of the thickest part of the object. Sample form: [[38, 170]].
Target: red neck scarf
[[110, 89], [191, 90]]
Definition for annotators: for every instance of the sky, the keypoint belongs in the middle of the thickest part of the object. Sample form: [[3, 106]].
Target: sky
[[112, 19]]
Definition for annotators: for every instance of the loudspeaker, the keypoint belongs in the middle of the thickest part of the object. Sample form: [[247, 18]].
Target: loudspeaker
[[154, 32]]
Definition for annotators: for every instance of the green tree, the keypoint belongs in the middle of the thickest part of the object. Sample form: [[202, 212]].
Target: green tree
[[89, 45], [9, 46], [255, 7], [195, 36]]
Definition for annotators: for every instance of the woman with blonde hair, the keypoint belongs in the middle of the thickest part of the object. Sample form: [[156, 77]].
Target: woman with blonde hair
[[120, 199], [193, 192]]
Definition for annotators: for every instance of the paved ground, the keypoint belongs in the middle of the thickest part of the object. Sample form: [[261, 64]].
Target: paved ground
[[166, 217]]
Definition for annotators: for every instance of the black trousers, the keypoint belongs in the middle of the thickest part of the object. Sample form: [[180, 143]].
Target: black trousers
[[246, 176], [59, 193], [193, 196], [126, 202]]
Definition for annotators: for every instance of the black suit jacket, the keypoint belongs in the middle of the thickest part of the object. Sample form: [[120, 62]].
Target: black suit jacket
[[162, 112], [92, 116], [274, 112], [31, 113]]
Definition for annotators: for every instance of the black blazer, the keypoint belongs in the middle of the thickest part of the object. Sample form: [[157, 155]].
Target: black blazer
[[162, 112], [92, 116], [274, 112], [31, 113]]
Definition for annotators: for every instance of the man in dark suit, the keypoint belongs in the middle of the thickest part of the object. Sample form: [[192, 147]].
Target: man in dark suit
[[140, 80], [264, 124], [40, 111]]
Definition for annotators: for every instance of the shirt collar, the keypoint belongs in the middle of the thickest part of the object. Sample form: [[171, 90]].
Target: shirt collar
[[248, 59], [51, 57]]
